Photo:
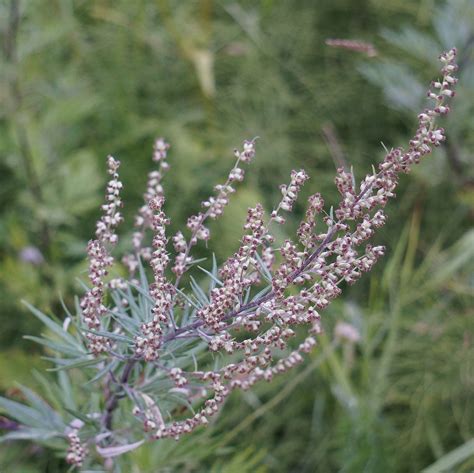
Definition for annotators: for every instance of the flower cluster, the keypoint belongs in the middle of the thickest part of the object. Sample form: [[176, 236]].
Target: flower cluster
[[76, 452], [214, 208], [307, 226], [143, 220], [265, 301], [233, 273], [290, 194], [100, 259], [149, 342]]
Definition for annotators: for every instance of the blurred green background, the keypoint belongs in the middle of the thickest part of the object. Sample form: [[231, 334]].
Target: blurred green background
[[80, 79]]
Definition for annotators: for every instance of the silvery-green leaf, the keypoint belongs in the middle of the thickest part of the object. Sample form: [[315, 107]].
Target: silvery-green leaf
[[79, 415], [22, 413], [214, 279], [106, 369], [65, 364], [415, 43], [51, 390], [66, 387], [263, 268], [109, 452], [53, 326], [198, 292], [29, 434], [261, 293], [135, 310], [49, 414], [188, 299], [59, 347]]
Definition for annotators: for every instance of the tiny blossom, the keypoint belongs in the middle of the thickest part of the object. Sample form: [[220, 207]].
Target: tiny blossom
[[179, 242], [233, 271], [290, 192], [160, 150], [176, 374], [348, 332], [31, 255], [308, 224], [118, 283], [248, 152]]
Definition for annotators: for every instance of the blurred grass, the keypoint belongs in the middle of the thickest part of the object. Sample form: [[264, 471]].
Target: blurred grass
[[81, 79]]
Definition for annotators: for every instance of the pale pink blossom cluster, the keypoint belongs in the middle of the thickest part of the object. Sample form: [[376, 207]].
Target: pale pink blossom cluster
[[290, 194], [214, 208], [100, 259], [266, 293], [353, 45], [234, 274], [162, 291], [143, 220], [307, 226], [76, 452]]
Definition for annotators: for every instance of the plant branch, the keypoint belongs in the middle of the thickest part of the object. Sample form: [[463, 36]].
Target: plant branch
[[251, 305], [112, 397]]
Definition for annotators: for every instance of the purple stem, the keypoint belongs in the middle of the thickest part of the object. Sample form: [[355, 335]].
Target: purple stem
[[251, 305], [8, 424], [112, 398]]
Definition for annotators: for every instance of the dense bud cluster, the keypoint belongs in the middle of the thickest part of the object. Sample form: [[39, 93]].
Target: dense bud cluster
[[214, 208], [148, 343], [234, 273], [307, 226], [289, 195], [111, 217], [143, 220], [76, 452], [100, 260]]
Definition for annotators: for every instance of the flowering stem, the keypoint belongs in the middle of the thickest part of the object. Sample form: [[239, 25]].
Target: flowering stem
[[326, 260], [251, 305], [192, 240]]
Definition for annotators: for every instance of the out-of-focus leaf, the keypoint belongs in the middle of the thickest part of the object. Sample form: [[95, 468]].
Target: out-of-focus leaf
[[38, 435], [59, 347], [54, 327], [109, 452], [65, 364], [23, 414], [452, 459], [50, 416], [402, 88], [415, 43]]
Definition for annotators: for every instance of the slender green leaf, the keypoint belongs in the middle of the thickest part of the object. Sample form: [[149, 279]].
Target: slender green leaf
[[53, 326]]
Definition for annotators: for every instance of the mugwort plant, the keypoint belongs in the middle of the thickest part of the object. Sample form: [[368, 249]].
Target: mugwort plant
[[161, 356]]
